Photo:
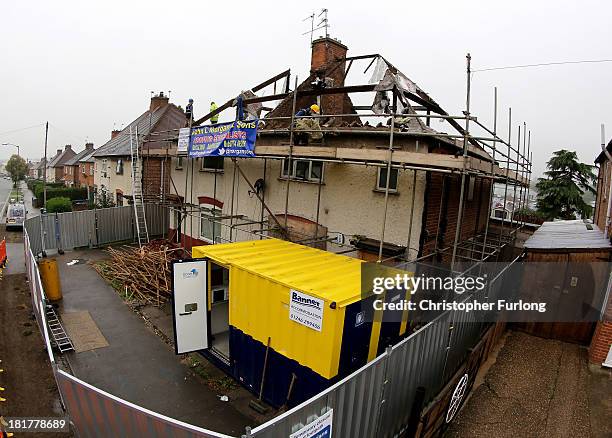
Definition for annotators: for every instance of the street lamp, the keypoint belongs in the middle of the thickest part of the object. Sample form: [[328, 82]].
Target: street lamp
[[12, 144]]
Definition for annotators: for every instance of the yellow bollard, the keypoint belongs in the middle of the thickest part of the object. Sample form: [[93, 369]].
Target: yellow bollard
[[49, 275]]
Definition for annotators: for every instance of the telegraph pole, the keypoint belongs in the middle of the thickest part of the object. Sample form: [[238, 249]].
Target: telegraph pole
[[45, 168]]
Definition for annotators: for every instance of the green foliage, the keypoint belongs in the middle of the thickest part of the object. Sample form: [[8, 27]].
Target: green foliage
[[560, 194], [103, 199], [59, 205], [56, 190], [17, 168]]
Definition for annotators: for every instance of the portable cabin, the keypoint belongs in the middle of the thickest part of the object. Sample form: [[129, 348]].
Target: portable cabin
[[568, 266], [302, 306]]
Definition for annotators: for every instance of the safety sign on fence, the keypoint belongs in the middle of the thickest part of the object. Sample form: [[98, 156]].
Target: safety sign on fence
[[319, 428], [233, 139]]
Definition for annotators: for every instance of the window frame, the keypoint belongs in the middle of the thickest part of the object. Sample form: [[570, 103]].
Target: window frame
[[208, 211], [119, 167], [212, 169], [179, 163], [383, 188], [309, 172]]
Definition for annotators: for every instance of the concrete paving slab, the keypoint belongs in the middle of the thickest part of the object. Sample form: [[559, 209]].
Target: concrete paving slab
[[137, 366]]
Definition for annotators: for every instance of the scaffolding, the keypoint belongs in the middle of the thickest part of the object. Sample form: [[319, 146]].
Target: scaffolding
[[479, 152]]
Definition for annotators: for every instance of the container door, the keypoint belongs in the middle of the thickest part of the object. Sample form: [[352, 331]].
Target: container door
[[190, 310]]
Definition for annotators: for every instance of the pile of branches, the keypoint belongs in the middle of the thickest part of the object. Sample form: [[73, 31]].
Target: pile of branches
[[142, 274]]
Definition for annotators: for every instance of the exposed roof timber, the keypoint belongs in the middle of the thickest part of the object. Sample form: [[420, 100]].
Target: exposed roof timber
[[264, 84], [256, 88]]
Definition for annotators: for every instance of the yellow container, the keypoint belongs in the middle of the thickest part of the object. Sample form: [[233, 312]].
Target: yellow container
[[49, 275]]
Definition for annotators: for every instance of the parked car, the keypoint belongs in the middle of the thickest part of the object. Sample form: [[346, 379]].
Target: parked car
[[15, 215]]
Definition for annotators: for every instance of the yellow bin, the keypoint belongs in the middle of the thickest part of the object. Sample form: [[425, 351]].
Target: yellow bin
[[49, 275]]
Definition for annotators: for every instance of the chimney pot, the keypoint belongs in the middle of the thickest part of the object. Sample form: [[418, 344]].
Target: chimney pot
[[158, 101], [67, 147], [59, 151]]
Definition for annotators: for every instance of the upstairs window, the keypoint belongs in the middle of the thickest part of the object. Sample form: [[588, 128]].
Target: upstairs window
[[303, 170], [381, 180], [212, 164], [119, 168], [179, 163]]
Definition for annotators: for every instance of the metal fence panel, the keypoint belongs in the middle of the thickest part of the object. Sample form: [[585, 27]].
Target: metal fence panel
[[115, 224], [77, 229], [32, 228], [96, 413], [355, 401], [158, 219]]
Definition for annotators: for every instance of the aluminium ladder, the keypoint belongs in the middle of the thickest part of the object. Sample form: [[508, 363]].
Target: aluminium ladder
[[140, 219], [56, 331]]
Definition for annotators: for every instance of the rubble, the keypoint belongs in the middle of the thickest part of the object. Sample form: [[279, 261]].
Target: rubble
[[143, 274]]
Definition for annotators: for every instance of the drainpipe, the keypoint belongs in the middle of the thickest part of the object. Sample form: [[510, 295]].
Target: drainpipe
[[605, 149]]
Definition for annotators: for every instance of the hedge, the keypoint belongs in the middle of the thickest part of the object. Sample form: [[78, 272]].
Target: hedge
[[59, 205], [72, 193]]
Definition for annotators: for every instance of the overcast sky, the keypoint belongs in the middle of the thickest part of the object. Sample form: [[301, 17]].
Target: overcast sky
[[87, 67]]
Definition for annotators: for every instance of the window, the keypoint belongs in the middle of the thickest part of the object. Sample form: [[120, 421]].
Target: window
[[104, 169], [303, 170], [212, 164], [179, 163], [381, 179], [119, 168], [91, 170], [119, 199], [209, 230]]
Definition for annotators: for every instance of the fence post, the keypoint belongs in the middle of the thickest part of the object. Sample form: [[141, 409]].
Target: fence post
[[96, 235], [383, 392], [42, 235]]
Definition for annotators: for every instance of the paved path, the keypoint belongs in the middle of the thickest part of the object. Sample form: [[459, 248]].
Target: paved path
[[537, 388], [137, 366]]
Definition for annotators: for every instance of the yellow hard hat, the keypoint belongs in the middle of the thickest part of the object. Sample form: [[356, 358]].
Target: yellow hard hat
[[315, 108]]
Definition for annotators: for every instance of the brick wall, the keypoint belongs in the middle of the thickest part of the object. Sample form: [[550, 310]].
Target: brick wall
[[325, 53], [603, 187], [156, 171], [602, 340], [442, 205]]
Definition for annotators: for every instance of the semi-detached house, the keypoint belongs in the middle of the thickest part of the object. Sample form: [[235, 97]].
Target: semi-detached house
[[112, 161]]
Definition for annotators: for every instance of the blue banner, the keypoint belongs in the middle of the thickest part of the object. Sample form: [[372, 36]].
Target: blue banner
[[233, 139]]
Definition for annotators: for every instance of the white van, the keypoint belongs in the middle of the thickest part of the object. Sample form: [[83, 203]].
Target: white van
[[15, 215]]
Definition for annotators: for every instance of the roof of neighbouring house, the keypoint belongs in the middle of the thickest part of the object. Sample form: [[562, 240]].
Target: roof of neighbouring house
[[602, 155], [88, 158], [121, 144], [60, 159], [567, 235], [74, 161]]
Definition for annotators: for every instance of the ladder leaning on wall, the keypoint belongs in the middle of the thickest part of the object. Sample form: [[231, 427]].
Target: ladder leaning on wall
[[140, 219]]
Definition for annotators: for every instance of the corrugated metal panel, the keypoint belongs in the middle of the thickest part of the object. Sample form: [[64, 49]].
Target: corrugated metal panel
[[77, 229], [96, 413], [158, 218], [259, 307], [328, 276], [115, 224]]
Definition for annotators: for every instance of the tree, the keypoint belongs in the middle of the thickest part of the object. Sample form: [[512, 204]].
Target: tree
[[560, 194], [17, 168], [59, 205]]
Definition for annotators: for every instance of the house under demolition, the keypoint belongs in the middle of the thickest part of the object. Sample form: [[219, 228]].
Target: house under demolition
[[373, 179]]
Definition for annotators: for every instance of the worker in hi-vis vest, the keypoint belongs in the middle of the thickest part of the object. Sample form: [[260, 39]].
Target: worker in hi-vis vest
[[214, 119]]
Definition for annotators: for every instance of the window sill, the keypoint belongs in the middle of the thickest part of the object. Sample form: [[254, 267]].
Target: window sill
[[178, 168], [306, 181], [212, 170], [382, 191]]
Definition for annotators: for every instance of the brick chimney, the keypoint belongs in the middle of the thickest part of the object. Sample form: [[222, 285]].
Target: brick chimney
[[68, 147], [325, 52], [59, 152], [89, 146], [115, 133], [158, 101]]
